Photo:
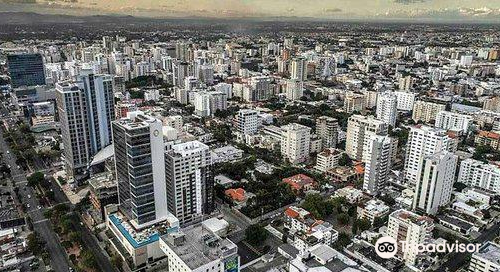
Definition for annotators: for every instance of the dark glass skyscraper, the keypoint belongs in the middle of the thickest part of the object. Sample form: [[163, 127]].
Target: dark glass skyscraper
[[26, 70]]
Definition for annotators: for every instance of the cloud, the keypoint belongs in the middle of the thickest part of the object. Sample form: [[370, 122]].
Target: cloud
[[408, 2]]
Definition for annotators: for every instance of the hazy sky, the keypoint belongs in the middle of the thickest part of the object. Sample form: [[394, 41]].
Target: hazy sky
[[437, 9]]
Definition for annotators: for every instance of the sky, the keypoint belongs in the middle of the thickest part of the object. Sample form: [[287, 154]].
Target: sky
[[320, 9]]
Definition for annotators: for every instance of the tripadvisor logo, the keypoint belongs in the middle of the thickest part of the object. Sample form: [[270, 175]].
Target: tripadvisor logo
[[386, 247]]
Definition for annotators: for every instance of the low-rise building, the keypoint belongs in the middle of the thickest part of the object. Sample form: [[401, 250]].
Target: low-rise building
[[487, 259], [301, 182], [328, 159], [372, 209], [226, 153], [197, 249]]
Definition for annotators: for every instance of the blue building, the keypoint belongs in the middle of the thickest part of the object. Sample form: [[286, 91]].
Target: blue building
[[26, 70]]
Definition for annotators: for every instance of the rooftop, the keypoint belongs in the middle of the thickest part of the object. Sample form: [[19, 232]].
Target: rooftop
[[199, 246], [490, 251]]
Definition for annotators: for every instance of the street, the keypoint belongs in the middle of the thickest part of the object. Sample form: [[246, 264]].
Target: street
[[41, 225]]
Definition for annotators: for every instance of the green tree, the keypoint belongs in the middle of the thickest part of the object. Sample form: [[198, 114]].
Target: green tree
[[256, 234], [35, 179], [88, 259], [343, 219], [117, 262], [343, 240], [344, 160], [35, 245]]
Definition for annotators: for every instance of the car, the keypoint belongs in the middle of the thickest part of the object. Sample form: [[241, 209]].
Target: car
[[8, 152], [28, 206], [39, 207], [29, 196]]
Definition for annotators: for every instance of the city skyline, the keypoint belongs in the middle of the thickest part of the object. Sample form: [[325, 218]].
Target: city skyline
[[434, 10]]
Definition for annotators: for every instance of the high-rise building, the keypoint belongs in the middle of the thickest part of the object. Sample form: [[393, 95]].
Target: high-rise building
[[26, 70], [140, 169], [405, 100], [378, 163], [424, 141], [247, 121], [434, 182], [295, 142], [354, 102], [426, 111], [387, 108], [411, 229], [479, 174], [202, 104], [359, 130], [294, 89], [189, 181], [453, 121], [298, 69], [327, 130], [86, 109], [405, 83]]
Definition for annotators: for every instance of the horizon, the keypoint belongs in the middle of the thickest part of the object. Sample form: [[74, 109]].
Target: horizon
[[384, 10]]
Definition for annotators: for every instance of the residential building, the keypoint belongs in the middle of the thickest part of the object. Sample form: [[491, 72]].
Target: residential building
[[247, 121], [189, 181], [294, 89], [405, 100], [354, 102], [453, 121], [424, 111], [424, 141], [487, 138], [327, 130], [387, 108], [435, 182], [479, 174], [487, 259], [301, 182], [298, 69], [198, 249], [295, 142], [372, 209], [378, 163], [328, 159], [412, 229], [360, 129]]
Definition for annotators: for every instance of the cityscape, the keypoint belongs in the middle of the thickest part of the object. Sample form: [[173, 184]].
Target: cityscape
[[269, 143]]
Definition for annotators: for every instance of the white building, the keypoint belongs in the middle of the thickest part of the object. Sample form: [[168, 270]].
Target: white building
[[174, 121], [327, 130], [487, 259], [247, 121], [359, 131], [378, 163], [479, 174], [298, 69], [405, 100], [202, 104], [328, 159], [152, 95], [424, 141], [426, 111], [198, 249], [295, 142], [387, 108], [412, 229], [226, 154], [354, 102], [435, 182], [294, 89], [372, 209], [453, 121], [189, 181]]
